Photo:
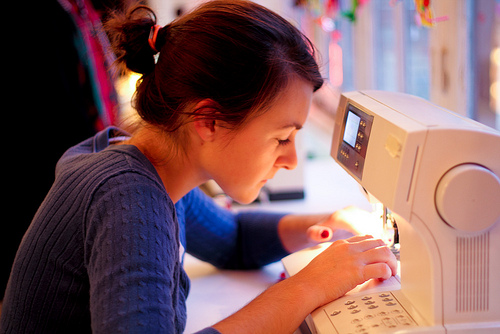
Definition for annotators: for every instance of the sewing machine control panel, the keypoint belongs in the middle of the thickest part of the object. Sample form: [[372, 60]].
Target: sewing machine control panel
[[356, 133], [372, 313]]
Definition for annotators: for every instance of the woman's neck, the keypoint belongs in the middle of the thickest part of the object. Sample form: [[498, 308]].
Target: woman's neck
[[178, 171]]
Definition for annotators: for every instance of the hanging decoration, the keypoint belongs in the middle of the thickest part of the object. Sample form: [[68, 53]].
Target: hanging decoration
[[326, 12], [351, 13], [424, 15]]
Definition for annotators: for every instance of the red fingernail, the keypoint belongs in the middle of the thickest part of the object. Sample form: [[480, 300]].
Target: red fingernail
[[325, 234]]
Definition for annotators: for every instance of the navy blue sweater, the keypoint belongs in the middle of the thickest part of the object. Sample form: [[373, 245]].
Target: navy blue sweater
[[105, 249]]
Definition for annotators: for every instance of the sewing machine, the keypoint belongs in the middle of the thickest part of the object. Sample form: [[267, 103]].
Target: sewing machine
[[439, 175]]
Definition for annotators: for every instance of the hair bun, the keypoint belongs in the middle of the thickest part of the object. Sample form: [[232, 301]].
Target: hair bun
[[129, 33]]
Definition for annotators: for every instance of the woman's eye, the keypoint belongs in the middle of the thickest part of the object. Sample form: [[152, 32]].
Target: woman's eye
[[284, 142]]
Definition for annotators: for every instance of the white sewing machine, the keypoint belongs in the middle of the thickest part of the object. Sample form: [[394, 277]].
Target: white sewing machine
[[438, 173]]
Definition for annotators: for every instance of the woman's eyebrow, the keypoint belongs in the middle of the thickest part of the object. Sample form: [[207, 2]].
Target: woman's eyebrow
[[292, 125]]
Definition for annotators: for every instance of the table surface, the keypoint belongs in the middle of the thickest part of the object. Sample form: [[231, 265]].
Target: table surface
[[215, 294]]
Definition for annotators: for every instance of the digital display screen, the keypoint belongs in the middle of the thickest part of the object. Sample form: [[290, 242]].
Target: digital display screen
[[351, 128]]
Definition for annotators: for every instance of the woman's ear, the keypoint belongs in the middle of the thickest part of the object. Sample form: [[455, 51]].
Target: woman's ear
[[204, 120]]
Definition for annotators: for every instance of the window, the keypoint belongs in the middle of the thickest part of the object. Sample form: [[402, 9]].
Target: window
[[455, 64]]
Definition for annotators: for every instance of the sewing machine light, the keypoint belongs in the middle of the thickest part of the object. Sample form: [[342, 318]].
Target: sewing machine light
[[387, 228]]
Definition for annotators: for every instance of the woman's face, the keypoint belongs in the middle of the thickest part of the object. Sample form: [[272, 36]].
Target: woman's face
[[244, 161]]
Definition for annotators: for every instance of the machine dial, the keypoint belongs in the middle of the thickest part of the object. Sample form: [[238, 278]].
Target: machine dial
[[468, 198]]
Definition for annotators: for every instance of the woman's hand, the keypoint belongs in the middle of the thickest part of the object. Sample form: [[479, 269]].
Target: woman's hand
[[345, 264], [350, 219], [300, 231], [338, 269], [334, 272]]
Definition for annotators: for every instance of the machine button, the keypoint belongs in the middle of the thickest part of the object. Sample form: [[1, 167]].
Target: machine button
[[403, 320], [389, 322], [336, 312], [349, 302]]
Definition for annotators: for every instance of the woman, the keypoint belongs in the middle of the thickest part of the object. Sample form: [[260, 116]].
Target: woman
[[231, 87]]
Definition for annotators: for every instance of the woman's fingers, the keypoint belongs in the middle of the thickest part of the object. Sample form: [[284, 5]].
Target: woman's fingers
[[377, 271], [358, 238], [319, 233], [373, 251], [348, 263], [366, 244]]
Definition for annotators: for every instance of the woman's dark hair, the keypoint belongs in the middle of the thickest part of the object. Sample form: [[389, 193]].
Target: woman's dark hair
[[236, 53]]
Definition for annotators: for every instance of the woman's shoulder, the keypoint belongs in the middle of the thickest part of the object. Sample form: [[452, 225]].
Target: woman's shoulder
[[96, 164], [97, 158]]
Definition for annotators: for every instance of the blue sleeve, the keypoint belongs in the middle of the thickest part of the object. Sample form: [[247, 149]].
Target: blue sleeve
[[227, 240], [209, 330], [132, 259]]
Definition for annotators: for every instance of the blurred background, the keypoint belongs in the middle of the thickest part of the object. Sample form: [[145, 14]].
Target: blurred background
[[444, 50], [64, 89]]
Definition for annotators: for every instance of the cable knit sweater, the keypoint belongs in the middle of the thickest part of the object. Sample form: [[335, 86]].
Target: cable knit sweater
[[104, 251]]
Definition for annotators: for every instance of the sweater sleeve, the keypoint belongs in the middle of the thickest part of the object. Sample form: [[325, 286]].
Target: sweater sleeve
[[228, 240], [209, 330], [132, 258]]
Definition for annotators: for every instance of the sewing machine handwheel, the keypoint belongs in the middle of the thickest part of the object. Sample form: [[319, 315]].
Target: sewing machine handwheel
[[467, 198]]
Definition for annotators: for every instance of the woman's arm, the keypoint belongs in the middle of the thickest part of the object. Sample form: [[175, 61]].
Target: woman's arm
[[253, 239], [227, 240], [300, 231], [282, 307], [132, 255]]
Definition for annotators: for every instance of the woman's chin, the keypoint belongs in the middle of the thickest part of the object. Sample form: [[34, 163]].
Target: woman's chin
[[246, 197]]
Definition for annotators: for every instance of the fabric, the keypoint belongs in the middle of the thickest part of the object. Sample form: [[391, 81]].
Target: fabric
[[92, 46], [104, 251]]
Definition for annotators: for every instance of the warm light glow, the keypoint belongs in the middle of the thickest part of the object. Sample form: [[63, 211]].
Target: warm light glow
[[335, 67], [495, 80], [495, 56], [494, 90], [125, 87], [495, 95]]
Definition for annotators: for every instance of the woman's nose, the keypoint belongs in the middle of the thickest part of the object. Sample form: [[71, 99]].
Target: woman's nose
[[288, 160]]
